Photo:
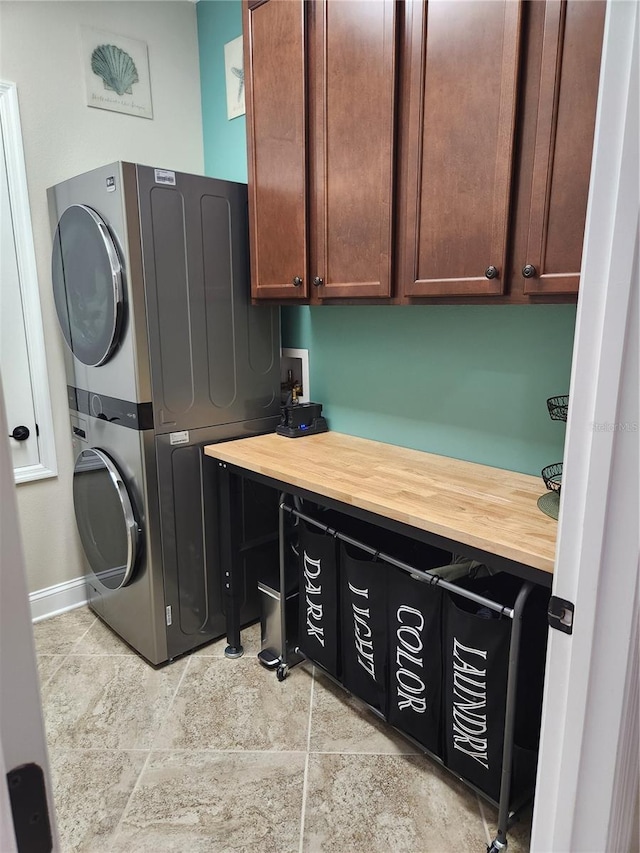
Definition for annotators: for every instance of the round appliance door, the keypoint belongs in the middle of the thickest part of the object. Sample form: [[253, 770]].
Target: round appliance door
[[106, 521], [87, 284]]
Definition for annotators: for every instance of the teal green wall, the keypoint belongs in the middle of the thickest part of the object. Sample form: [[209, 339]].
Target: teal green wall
[[464, 381], [225, 142]]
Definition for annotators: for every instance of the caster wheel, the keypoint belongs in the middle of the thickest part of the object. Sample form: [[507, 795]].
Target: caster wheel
[[496, 846], [282, 672]]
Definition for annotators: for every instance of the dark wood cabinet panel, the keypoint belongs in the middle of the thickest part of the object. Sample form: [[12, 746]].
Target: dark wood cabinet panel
[[353, 77], [420, 149], [321, 82], [565, 108], [460, 79], [274, 57]]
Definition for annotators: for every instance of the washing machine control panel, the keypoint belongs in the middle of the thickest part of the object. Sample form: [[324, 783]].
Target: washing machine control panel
[[121, 412]]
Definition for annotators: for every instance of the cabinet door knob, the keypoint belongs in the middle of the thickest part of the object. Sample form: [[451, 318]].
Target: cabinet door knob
[[491, 272], [529, 271], [318, 282], [297, 281]]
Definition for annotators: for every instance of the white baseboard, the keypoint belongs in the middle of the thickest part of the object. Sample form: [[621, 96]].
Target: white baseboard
[[57, 599]]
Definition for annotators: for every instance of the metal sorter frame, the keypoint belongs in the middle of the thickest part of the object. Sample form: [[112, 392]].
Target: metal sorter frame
[[290, 657], [228, 476]]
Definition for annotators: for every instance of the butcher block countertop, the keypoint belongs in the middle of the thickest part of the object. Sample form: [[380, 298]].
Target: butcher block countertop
[[486, 508]]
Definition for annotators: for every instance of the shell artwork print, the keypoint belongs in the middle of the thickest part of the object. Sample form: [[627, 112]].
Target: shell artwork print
[[234, 78], [116, 73], [239, 73], [115, 67]]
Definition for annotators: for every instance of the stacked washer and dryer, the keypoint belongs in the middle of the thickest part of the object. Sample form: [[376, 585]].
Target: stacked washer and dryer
[[164, 355]]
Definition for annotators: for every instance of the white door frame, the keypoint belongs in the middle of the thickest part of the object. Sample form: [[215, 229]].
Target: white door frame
[[30, 293], [586, 797]]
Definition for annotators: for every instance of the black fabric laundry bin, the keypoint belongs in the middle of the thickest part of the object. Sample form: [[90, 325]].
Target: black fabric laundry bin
[[476, 659], [366, 586], [415, 658], [319, 622], [364, 625]]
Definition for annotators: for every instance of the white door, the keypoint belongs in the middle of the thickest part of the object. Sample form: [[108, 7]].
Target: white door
[[23, 749], [23, 361], [588, 770], [14, 356]]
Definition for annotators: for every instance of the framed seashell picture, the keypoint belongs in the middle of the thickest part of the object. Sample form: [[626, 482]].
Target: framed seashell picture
[[116, 73]]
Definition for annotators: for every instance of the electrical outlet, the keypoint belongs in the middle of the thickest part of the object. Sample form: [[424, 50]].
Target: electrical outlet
[[296, 361]]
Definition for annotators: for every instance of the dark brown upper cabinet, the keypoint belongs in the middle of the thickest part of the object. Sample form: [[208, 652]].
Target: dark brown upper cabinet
[[457, 138], [321, 82], [276, 100], [559, 114], [497, 115], [420, 149]]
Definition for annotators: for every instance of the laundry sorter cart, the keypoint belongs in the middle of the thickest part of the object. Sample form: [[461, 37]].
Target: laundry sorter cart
[[368, 619], [483, 514]]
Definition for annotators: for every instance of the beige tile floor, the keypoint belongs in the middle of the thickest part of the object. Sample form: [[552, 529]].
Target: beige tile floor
[[216, 755]]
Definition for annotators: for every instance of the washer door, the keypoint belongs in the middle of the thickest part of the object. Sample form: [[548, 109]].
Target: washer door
[[87, 284], [106, 522]]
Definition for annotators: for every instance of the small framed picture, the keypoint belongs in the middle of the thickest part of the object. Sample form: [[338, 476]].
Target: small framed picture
[[116, 73], [234, 75]]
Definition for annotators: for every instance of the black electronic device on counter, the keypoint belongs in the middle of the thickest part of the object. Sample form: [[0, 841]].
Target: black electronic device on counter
[[297, 419]]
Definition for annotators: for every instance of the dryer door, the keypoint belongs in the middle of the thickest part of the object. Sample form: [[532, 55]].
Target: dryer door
[[106, 521], [87, 284]]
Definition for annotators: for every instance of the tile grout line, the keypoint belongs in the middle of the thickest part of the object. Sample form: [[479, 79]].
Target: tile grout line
[[363, 752], [43, 684], [487, 831], [306, 763], [173, 699], [115, 832], [82, 636], [39, 652], [64, 656], [313, 683], [125, 654], [205, 749]]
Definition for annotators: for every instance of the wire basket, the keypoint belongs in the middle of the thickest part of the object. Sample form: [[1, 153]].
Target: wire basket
[[558, 407], [552, 476]]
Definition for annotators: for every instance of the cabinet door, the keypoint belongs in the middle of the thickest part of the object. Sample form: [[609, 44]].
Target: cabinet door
[[457, 136], [566, 111], [274, 59], [353, 73]]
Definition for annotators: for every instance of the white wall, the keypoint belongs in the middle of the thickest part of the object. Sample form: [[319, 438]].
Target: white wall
[[40, 52]]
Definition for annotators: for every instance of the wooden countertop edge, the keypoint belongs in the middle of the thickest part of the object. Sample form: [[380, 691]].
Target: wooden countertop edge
[[236, 453]]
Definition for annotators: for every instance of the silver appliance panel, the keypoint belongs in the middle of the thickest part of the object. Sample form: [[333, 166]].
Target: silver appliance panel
[[215, 359], [122, 371], [106, 519], [134, 607], [190, 356], [189, 513], [87, 280]]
